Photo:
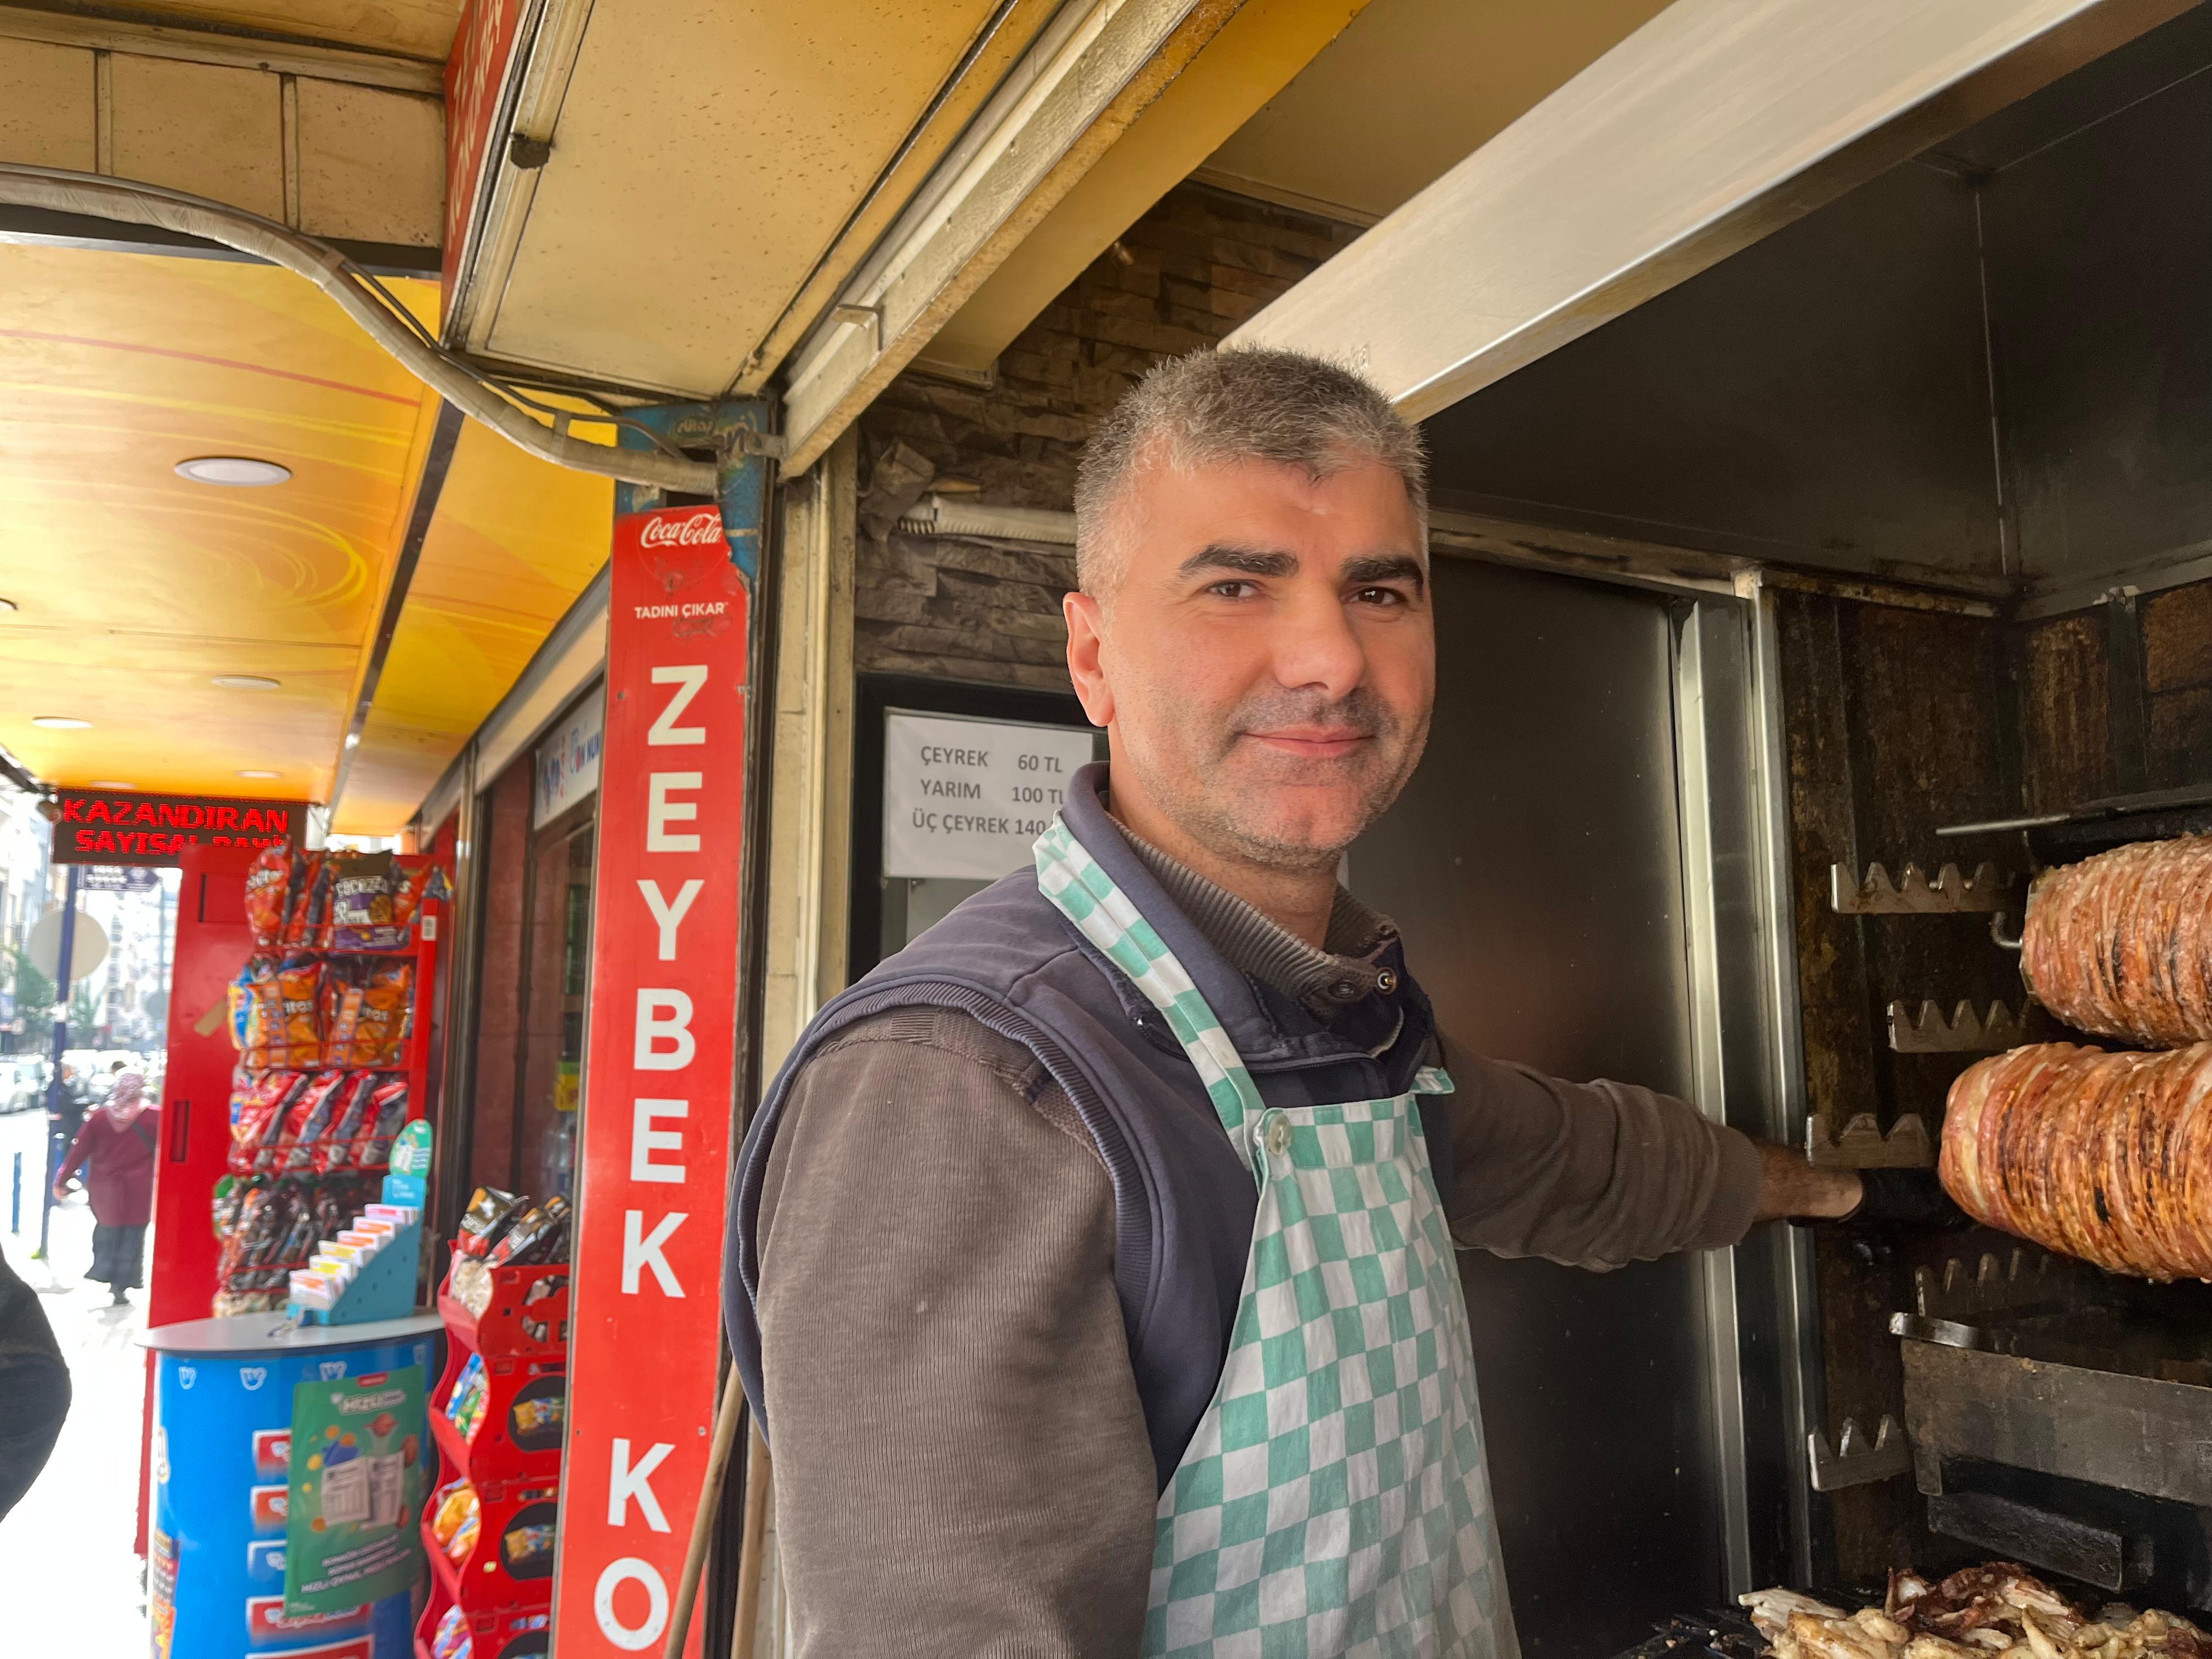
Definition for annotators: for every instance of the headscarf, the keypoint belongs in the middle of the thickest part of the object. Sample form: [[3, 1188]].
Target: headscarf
[[126, 1098]]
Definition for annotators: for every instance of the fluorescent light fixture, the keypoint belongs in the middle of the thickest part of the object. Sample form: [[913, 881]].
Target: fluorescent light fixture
[[60, 722], [245, 682], [257, 773], [239, 471]]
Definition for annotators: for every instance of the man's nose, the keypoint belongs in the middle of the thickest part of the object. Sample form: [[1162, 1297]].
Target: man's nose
[[1315, 645]]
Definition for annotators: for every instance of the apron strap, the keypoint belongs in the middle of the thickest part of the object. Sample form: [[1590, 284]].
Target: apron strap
[[1084, 893]]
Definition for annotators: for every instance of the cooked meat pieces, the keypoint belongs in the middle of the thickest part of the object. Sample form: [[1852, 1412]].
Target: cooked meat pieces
[[1972, 1614], [2121, 944], [2107, 1157]]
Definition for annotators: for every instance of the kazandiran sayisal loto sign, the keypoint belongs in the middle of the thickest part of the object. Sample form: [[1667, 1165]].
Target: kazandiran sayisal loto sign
[[654, 1152]]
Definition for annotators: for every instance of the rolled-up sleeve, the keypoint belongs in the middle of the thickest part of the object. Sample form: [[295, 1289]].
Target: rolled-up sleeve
[[1594, 1174]]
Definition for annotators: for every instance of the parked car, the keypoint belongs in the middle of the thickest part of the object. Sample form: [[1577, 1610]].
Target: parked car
[[23, 1082]]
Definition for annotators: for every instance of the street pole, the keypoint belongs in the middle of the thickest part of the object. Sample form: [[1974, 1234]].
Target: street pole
[[54, 1154]]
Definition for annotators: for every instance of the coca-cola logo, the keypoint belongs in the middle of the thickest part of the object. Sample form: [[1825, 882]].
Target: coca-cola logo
[[702, 529]]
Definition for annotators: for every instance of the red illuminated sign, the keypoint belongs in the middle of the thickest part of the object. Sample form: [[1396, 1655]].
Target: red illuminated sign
[[125, 826], [654, 1150]]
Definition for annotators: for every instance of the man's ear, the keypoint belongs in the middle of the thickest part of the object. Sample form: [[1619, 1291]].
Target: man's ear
[[1086, 645]]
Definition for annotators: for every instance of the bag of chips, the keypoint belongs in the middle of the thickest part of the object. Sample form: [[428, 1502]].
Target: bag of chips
[[417, 877], [362, 890], [299, 1040], [353, 1126], [268, 883], [282, 1129], [259, 1016], [381, 1025], [308, 1127], [257, 1113], [390, 1102], [341, 996], [300, 919]]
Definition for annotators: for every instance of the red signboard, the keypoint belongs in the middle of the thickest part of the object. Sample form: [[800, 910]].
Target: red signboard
[[124, 826], [654, 1152], [475, 81]]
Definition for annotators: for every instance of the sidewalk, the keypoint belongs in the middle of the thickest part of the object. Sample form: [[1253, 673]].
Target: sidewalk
[[69, 1578]]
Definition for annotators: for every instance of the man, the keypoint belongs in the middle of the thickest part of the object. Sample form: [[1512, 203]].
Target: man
[[1091, 1275], [35, 1388]]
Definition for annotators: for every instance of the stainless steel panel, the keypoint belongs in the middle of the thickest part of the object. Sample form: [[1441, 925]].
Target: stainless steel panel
[[1535, 863], [1822, 398], [2098, 247]]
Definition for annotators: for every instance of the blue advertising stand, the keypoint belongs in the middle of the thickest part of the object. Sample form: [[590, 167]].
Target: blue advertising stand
[[223, 1432], [223, 1437]]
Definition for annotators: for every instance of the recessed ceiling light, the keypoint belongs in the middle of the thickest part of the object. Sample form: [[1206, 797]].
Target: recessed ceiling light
[[256, 774], [60, 722], [241, 471], [245, 682], [109, 783], [353, 739]]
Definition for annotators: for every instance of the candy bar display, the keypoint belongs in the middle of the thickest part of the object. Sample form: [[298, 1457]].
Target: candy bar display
[[322, 1015], [498, 1416]]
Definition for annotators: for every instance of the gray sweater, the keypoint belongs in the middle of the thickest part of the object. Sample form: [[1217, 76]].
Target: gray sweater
[[962, 1466]]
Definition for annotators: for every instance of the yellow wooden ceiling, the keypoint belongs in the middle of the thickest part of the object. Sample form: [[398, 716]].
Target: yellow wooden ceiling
[[134, 587], [484, 598], [410, 29]]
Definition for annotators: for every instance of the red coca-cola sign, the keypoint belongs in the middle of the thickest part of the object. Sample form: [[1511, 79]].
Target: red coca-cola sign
[[697, 529]]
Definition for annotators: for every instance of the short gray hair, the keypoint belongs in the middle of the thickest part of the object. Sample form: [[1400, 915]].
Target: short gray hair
[[1238, 406]]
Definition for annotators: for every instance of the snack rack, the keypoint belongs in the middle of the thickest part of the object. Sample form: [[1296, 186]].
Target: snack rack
[[421, 950], [516, 1472]]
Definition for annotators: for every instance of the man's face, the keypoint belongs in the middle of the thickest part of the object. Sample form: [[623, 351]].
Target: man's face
[[1266, 658]]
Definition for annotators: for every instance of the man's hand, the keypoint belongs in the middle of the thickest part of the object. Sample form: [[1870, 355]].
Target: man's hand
[[1790, 1187]]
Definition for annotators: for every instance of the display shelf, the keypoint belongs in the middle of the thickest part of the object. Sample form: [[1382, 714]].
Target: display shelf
[[501, 1633], [485, 1580], [539, 1294]]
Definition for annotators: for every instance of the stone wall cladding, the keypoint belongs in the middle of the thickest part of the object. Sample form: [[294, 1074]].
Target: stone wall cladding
[[1197, 264]]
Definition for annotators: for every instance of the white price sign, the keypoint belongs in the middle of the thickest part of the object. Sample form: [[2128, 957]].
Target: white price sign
[[966, 799]]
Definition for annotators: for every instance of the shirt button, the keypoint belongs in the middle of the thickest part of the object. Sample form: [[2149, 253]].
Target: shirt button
[[1385, 981], [1278, 1136]]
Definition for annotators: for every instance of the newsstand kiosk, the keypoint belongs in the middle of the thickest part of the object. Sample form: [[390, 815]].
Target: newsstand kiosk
[[301, 1225]]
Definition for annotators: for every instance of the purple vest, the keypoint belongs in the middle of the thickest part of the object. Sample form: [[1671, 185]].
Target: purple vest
[[1183, 1205]]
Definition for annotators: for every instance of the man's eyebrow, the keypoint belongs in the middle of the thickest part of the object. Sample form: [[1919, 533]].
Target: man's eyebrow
[[1248, 561], [1383, 567]]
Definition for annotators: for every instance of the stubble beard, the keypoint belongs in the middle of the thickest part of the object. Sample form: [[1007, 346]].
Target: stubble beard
[[1221, 788]]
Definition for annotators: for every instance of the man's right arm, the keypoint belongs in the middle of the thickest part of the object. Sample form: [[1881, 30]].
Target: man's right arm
[[960, 1455], [1594, 1174]]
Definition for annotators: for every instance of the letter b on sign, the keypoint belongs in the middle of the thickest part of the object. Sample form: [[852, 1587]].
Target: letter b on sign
[[663, 1017]]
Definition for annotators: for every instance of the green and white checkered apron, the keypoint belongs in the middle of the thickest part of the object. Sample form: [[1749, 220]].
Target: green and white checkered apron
[[1334, 1499]]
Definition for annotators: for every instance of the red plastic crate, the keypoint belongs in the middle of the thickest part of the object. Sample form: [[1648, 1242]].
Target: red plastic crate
[[501, 1633], [484, 1580], [502, 1449], [539, 1294]]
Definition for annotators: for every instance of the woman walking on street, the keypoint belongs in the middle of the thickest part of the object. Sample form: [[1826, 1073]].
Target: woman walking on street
[[116, 1146]]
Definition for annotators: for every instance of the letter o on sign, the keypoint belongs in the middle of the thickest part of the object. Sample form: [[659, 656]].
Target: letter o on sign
[[631, 1571]]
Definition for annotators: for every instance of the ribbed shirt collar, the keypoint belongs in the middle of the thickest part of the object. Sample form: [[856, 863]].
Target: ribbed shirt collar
[[1324, 981]]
